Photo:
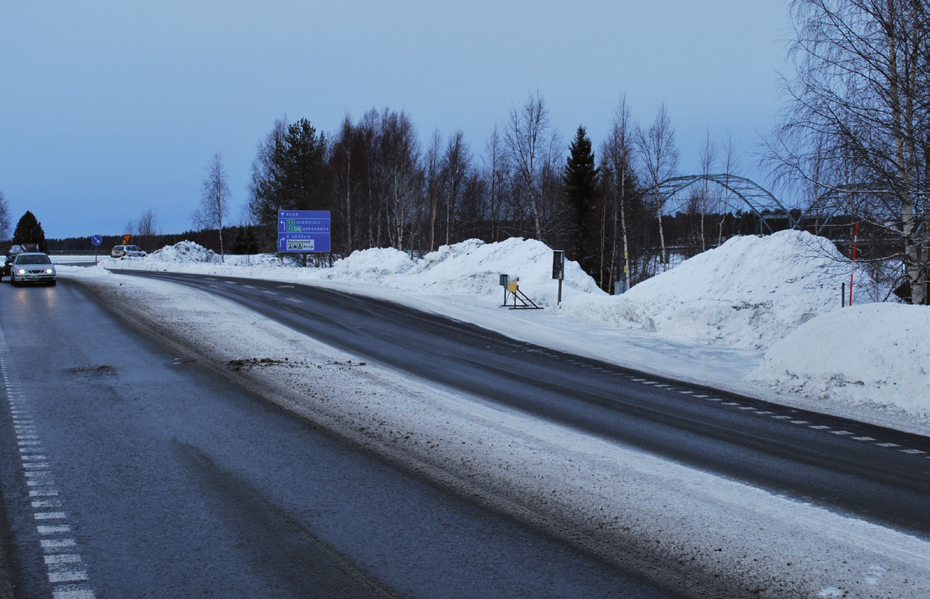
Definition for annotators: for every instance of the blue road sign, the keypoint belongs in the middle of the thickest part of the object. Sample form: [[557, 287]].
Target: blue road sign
[[96, 240], [303, 231]]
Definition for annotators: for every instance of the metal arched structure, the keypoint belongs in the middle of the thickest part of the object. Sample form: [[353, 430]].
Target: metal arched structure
[[873, 201], [750, 194]]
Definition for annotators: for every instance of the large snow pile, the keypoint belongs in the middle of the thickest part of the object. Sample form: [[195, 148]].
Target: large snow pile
[[870, 354], [372, 266], [184, 251], [748, 293], [468, 268]]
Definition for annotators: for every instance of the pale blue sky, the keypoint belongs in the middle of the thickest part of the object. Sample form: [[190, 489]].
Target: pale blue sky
[[108, 108]]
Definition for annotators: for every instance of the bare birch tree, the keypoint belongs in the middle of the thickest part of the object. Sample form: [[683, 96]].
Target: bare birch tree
[[708, 158], [214, 200], [6, 221], [432, 170], [147, 227], [729, 166], [619, 179], [857, 109], [529, 139], [659, 158], [497, 170], [456, 164]]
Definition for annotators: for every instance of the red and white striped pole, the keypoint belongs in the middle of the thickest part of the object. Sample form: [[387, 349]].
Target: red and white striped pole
[[855, 243]]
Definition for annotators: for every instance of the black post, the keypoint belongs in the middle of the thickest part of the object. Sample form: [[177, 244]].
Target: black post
[[558, 269]]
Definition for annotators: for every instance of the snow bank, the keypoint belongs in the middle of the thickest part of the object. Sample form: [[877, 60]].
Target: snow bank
[[871, 354], [184, 251], [471, 267], [372, 266], [748, 293]]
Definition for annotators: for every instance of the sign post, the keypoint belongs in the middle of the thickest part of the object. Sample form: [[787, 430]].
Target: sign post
[[303, 231], [96, 240], [558, 269]]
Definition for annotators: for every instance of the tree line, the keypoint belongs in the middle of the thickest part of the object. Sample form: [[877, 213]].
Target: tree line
[[384, 188]]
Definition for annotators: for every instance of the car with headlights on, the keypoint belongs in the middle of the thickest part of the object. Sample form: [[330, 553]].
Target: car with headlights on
[[32, 267]]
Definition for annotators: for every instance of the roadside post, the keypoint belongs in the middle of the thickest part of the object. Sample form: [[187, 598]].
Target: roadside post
[[852, 274], [96, 240], [558, 269], [504, 282]]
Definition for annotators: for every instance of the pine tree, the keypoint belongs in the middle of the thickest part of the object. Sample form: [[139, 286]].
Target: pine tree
[[29, 230], [580, 181], [287, 173], [246, 241]]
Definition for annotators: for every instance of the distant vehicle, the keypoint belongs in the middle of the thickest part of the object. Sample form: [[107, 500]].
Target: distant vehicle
[[15, 251], [127, 251], [32, 267]]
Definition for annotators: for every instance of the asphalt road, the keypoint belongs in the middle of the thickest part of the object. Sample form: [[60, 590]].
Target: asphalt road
[[857, 469], [127, 471]]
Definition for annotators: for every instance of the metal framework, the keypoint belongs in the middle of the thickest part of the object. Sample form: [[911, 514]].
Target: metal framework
[[877, 201], [759, 200]]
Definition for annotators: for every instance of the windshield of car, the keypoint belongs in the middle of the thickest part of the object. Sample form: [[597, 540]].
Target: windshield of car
[[33, 259]]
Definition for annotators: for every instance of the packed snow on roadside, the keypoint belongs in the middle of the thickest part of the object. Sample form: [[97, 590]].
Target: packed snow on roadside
[[761, 315]]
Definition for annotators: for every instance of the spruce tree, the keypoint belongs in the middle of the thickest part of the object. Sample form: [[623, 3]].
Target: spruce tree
[[29, 230], [580, 183]]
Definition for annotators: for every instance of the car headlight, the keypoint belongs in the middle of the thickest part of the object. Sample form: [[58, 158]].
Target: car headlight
[[50, 271], [20, 271]]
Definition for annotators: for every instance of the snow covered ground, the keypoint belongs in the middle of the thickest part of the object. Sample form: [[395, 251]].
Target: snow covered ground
[[759, 315]]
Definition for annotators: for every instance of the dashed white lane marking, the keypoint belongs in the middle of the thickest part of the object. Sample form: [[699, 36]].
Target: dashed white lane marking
[[820, 427], [65, 569], [841, 433], [49, 515], [67, 591], [863, 439], [888, 445], [913, 451]]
